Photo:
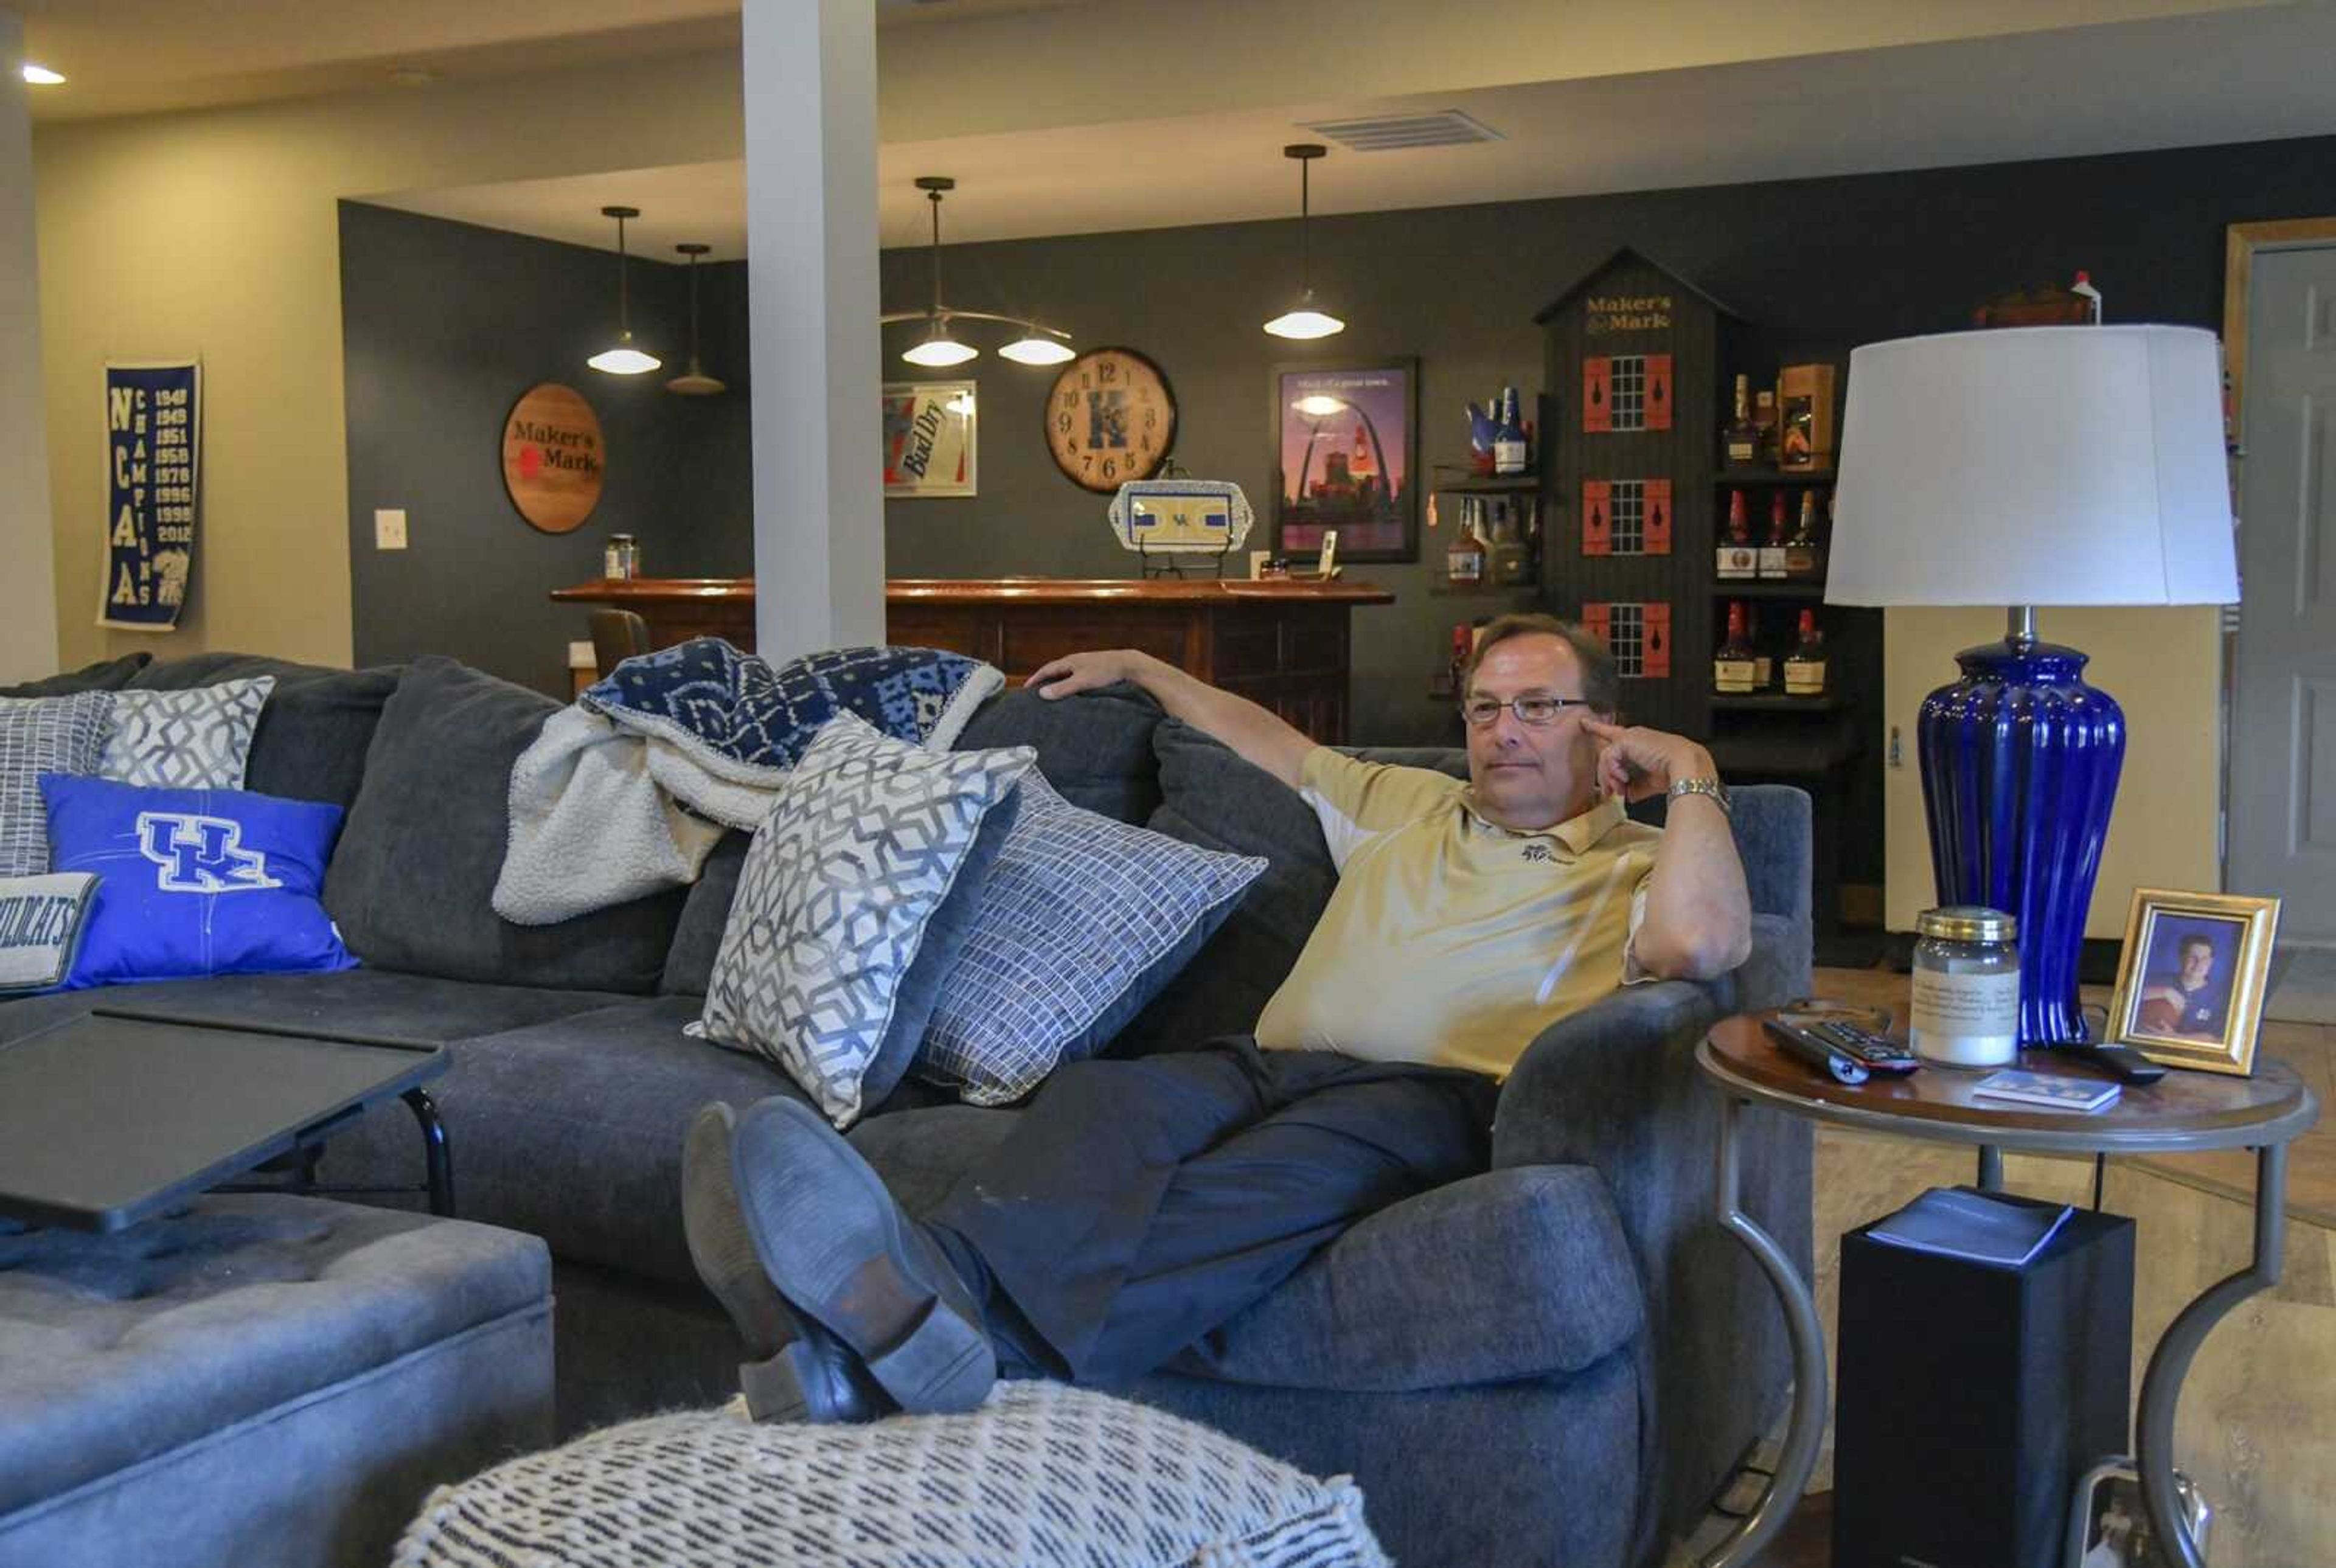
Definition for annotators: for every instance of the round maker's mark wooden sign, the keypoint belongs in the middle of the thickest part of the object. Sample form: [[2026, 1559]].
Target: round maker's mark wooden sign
[[553, 457]]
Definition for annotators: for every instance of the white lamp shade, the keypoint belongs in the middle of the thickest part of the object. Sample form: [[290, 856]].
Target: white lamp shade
[[1305, 321], [939, 351], [624, 359], [2050, 465], [1033, 349]]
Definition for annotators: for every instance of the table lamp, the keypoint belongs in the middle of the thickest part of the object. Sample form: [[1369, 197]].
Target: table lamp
[[2055, 465]]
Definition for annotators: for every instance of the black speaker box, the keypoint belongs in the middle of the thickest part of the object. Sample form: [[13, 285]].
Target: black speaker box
[[1973, 1396]]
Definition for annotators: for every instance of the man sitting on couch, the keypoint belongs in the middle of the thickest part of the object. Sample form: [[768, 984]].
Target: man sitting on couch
[[1139, 1203]]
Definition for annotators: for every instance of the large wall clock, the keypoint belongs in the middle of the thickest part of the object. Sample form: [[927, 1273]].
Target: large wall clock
[[1111, 418]]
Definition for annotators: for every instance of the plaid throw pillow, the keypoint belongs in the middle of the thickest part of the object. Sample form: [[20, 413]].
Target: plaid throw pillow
[[42, 734], [855, 893], [1083, 921]]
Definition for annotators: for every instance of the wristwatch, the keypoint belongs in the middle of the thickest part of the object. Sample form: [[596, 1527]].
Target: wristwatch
[[1703, 786]]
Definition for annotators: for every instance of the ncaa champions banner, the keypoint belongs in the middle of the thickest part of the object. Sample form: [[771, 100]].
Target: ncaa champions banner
[[153, 467]]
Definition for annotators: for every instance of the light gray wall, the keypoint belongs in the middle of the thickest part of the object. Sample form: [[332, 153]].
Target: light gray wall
[[28, 603]]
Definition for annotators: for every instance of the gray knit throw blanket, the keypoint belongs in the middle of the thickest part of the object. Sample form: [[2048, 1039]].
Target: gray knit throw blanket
[[1042, 1475]]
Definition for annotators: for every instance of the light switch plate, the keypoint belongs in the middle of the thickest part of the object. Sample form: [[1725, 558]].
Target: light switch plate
[[389, 530]]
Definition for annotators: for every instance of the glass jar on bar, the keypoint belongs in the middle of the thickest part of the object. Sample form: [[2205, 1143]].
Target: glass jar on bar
[[1966, 1003]]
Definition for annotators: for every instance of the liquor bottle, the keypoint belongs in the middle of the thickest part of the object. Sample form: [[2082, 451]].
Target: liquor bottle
[[1732, 670], [1763, 666], [1463, 562], [1805, 667], [1772, 554], [1464, 643], [1764, 428], [1804, 557], [1742, 442], [1510, 561], [1509, 435], [1736, 558]]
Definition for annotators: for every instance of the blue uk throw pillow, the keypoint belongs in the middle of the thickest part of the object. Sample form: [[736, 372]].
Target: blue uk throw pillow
[[195, 882]]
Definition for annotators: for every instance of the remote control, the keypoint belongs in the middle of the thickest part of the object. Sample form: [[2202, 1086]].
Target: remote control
[[2117, 1061], [1876, 1052], [1829, 1059]]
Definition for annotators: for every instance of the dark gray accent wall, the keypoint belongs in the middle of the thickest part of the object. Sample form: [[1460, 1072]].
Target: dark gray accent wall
[[444, 324], [1817, 266]]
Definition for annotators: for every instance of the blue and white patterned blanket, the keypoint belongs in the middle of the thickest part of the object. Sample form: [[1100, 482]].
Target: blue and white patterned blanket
[[626, 791], [745, 720]]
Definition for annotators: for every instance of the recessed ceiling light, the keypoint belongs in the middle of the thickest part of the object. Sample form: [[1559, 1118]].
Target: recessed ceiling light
[[42, 76]]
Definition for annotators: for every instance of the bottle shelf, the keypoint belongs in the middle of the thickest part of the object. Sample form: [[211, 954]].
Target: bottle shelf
[[1772, 755], [1774, 702], [1481, 589], [1489, 484], [1770, 478], [1811, 588]]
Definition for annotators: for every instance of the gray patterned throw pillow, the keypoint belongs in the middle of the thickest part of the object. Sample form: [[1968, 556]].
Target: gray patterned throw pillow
[[196, 739], [854, 894], [1083, 920], [37, 736]]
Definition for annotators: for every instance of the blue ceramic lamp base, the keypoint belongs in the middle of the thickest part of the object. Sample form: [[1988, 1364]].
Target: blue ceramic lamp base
[[2020, 769]]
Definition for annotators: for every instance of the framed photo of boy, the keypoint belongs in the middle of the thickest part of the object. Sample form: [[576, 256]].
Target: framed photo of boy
[[1345, 457], [2190, 985]]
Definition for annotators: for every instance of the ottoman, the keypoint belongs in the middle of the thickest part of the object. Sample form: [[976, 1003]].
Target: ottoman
[[259, 1380], [1043, 1476]]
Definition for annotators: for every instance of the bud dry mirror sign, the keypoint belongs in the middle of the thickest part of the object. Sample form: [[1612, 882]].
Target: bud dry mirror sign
[[553, 457], [929, 438]]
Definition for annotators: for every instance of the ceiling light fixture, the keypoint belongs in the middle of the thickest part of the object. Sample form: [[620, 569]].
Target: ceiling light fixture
[[941, 348], [42, 76], [1038, 346], [695, 383], [1305, 318], [622, 358]]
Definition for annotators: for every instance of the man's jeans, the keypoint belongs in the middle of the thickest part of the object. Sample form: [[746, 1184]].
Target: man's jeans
[[1140, 1204]]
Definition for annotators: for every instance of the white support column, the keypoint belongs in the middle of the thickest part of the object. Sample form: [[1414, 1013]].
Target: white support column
[[811, 304], [28, 580]]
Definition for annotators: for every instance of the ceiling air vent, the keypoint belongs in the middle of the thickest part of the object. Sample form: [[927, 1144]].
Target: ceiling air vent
[[1389, 133]]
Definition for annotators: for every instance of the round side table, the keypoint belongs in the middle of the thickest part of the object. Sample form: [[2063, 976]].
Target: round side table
[[2181, 1113]]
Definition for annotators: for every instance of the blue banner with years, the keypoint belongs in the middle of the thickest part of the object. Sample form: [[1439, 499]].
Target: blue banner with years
[[153, 489]]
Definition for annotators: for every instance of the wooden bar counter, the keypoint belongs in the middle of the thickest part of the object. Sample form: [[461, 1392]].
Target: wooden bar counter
[[1285, 645]]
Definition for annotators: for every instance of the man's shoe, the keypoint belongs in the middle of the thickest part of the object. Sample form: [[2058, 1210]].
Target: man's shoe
[[842, 1252], [797, 1371]]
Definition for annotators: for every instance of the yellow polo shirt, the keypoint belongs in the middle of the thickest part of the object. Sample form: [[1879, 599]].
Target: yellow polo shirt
[[1449, 941]]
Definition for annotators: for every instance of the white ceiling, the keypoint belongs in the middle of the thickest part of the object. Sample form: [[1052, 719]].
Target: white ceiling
[[138, 56], [1071, 116], [2257, 74]]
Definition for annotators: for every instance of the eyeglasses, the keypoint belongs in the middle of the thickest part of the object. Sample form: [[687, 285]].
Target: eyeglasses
[[1537, 710]]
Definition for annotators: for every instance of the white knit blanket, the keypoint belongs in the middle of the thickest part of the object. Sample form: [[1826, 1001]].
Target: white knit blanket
[[600, 815], [1044, 1475]]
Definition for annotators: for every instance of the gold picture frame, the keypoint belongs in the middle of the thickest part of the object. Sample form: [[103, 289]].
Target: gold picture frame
[[2190, 984]]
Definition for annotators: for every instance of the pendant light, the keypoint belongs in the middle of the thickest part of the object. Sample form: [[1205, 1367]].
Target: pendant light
[[1038, 345], [622, 358], [1305, 318], [941, 348], [696, 383]]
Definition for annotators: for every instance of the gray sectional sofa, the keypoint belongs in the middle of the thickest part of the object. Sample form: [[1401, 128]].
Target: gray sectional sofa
[[1553, 1363]]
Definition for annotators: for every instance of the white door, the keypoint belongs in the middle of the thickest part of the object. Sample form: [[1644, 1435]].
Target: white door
[[2283, 835]]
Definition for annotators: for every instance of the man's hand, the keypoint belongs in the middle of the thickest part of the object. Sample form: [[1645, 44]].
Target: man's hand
[[1699, 917], [1081, 672], [1637, 764], [1255, 735]]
